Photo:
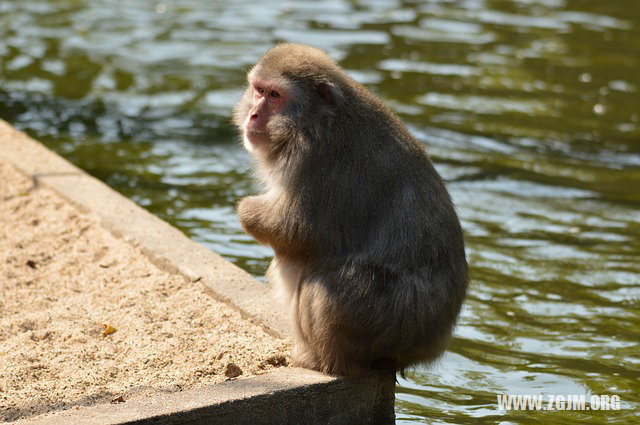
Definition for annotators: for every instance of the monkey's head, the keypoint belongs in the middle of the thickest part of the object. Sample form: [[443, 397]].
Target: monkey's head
[[293, 93]]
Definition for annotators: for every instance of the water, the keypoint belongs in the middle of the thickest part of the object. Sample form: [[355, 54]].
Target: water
[[529, 108]]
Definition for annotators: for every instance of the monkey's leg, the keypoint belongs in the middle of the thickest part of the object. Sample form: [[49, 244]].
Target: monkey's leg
[[324, 342], [284, 275]]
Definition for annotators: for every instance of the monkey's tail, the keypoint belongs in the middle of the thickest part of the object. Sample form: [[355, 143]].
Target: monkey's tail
[[387, 363], [403, 374]]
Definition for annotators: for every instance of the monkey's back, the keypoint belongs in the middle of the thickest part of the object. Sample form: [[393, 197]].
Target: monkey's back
[[392, 288]]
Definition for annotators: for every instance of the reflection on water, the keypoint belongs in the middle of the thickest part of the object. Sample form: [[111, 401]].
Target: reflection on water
[[530, 109]]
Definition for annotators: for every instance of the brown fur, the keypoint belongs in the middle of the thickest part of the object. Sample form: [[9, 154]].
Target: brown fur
[[369, 249]]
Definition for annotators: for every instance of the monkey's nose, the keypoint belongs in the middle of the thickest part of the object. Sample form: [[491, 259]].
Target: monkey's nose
[[253, 117]]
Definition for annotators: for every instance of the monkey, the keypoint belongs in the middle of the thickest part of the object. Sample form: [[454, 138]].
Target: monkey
[[368, 248]]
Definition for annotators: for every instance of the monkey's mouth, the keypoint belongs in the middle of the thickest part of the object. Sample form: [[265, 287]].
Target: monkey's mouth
[[257, 137]]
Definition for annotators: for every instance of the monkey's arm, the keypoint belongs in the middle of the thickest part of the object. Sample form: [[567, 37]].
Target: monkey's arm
[[262, 218]]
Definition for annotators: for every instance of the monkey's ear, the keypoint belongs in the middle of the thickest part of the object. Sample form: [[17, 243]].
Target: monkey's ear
[[330, 93]]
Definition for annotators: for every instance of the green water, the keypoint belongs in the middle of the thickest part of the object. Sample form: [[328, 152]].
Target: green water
[[529, 108]]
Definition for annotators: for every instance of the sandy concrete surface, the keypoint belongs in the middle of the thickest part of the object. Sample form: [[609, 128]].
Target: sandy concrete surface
[[63, 276]]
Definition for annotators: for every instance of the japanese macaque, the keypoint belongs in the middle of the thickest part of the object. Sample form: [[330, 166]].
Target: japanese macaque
[[368, 248]]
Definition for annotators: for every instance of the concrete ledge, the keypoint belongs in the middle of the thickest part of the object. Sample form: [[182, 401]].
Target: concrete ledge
[[288, 396], [285, 396]]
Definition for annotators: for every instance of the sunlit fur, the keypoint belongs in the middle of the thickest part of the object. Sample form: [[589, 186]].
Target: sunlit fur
[[369, 250]]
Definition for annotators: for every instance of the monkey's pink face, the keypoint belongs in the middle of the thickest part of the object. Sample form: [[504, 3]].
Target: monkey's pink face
[[268, 100]]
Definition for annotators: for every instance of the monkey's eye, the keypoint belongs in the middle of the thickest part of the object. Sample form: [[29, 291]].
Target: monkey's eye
[[259, 89], [274, 93]]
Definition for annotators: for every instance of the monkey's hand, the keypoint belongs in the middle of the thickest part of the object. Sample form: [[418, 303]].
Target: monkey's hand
[[256, 217], [259, 219], [263, 218]]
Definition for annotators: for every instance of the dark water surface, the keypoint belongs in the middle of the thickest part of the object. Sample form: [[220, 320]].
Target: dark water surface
[[530, 109]]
